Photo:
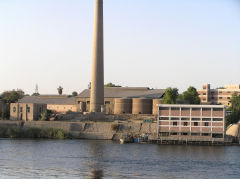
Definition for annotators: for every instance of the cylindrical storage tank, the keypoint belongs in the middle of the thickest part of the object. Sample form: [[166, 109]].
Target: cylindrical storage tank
[[155, 107], [142, 106], [122, 106]]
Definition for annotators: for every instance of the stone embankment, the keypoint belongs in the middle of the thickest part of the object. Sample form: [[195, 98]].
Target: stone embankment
[[92, 130]]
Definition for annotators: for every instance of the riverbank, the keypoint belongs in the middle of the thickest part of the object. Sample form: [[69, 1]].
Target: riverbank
[[91, 130], [129, 131]]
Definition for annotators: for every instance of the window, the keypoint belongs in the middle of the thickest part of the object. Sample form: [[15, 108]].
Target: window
[[40, 109], [217, 119], [228, 98], [204, 94], [217, 135], [164, 118], [195, 123], [206, 119], [163, 108], [21, 109], [185, 109], [220, 97], [175, 109], [206, 134], [28, 109], [14, 109], [195, 134], [229, 92], [195, 119], [195, 109], [217, 109], [107, 102], [206, 124], [185, 123], [164, 134], [220, 91], [184, 133], [174, 123]]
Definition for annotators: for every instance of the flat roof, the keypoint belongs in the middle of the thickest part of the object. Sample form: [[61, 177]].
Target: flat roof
[[191, 105]]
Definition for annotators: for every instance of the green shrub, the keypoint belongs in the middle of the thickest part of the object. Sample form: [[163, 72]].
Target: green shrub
[[44, 116], [60, 134], [33, 133]]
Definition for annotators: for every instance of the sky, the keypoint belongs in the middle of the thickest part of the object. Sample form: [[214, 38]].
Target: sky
[[147, 43]]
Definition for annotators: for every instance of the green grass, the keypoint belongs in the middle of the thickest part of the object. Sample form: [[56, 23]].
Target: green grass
[[33, 133]]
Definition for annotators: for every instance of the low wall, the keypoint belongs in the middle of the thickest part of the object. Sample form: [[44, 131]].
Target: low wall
[[91, 130]]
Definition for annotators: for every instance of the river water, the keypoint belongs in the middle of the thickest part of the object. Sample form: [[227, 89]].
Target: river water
[[86, 159]]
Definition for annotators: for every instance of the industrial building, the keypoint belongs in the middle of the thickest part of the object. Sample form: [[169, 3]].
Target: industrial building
[[191, 122], [26, 111], [55, 103], [218, 96], [124, 100]]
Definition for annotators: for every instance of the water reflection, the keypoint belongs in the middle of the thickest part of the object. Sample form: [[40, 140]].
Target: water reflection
[[96, 152], [99, 159], [96, 174]]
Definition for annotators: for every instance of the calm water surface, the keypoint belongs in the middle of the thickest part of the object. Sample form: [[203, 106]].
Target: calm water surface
[[85, 159]]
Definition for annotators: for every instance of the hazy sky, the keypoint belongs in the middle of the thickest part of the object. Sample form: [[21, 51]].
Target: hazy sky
[[154, 43]]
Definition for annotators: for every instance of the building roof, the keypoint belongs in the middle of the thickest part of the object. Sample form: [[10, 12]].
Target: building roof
[[57, 100], [127, 92], [191, 105]]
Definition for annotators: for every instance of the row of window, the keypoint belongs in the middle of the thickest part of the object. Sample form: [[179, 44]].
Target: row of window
[[187, 119], [220, 92], [187, 124], [28, 109], [214, 135], [58, 107], [188, 109]]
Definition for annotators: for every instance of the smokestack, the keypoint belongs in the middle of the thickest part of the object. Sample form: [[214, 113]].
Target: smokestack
[[97, 84]]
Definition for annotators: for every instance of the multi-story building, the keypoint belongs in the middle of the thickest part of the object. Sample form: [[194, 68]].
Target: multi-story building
[[191, 122], [218, 96]]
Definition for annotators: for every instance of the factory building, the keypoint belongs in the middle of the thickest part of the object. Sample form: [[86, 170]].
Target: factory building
[[191, 122], [55, 103], [26, 111], [124, 100]]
